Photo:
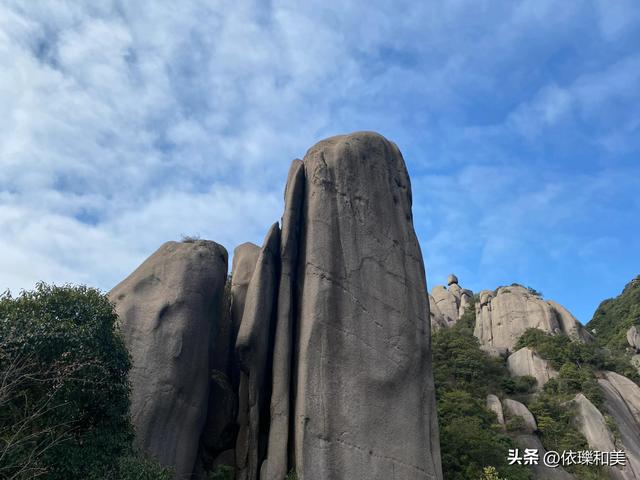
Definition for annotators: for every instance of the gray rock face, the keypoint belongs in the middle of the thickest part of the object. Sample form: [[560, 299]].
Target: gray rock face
[[437, 318], [513, 408], [503, 316], [276, 465], [167, 307], [362, 358], [621, 401], [633, 337], [449, 303], [493, 404], [253, 351], [592, 425], [527, 362], [245, 258]]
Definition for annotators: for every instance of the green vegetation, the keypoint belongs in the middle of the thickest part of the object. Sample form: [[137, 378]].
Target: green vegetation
[[470, 439], [583, 357], [615, 316], [64, 405], [577, 363], [222, 472]]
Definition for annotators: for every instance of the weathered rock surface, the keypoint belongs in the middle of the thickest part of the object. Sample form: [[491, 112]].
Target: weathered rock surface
[[167, 308], [593, 425], [493, 404], [621, 401], [276, 465], [450, 302], [447, 304], [513, 408], [527, 362], [437, 318], [633, 337], [502, 316], [254, 351], [363, 348], [245, 258]]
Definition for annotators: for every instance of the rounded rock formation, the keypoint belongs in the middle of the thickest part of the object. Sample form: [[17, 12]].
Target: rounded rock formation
[[527, 362], [167, 308]]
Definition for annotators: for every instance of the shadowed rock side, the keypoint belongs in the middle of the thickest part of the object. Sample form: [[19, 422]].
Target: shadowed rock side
[[220, 432], [276, 465], [167, 307], [502, 316], [254, 350], [364, 394], [245, 258]]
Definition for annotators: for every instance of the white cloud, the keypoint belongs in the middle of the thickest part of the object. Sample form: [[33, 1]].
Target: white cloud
[[125, 124]]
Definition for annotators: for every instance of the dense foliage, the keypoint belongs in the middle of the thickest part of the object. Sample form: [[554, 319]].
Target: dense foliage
[[64, 397], [470, 439], [576, 363], [613, 318]]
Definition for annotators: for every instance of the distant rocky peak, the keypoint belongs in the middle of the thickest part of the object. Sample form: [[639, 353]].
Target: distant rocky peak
[[448, 304]]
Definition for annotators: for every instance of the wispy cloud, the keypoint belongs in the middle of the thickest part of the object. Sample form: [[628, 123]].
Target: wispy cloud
[[125, 124]]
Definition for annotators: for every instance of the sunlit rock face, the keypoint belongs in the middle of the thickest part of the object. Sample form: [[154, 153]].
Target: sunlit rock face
[[361, 348], [504, 315]]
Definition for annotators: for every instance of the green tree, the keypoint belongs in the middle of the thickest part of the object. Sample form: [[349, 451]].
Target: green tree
[[65, 395]]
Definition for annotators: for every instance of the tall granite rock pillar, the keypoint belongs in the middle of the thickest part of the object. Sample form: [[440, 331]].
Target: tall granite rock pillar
[[362, 384], [254, 354], [167, 308]]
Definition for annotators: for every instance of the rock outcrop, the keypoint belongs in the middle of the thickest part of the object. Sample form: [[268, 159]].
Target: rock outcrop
[[593, 425], [527, 362], [633, 337], [362, 349], [502, 316], [167, 308], [324, 348], [494, 405], [254, 352], [621, 399], [449, 303], [513, 408]]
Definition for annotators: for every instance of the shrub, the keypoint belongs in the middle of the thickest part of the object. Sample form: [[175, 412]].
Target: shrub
[[65, 399]]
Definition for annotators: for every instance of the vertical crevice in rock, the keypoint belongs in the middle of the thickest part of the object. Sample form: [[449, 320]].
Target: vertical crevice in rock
[[276, 465], [254, 352]]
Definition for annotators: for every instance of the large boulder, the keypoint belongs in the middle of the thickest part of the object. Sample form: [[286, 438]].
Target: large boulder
[[527, 362], [494, 405], [621, 402], [504, 315], [513, 408], [593, 425], [167, 309], [633, 337], [437, 318], [361, 360], [450, 302]]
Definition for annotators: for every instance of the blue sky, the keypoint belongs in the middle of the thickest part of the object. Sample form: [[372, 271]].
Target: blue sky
[[126, 124]]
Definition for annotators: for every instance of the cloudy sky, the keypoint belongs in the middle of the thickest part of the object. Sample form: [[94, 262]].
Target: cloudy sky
[[126, 124]]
